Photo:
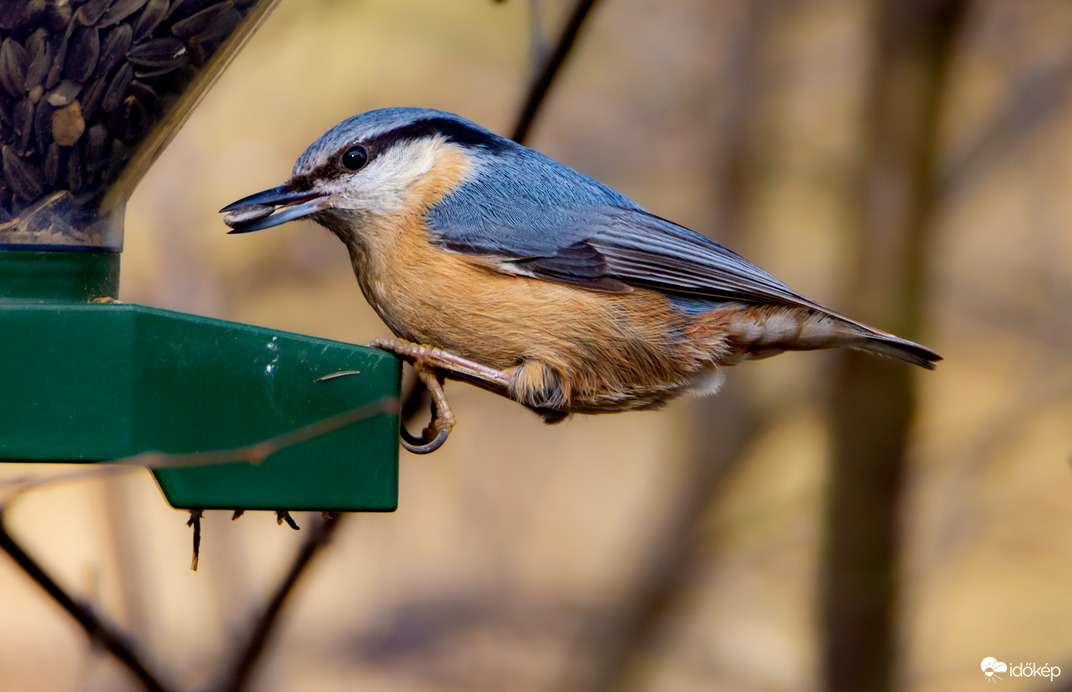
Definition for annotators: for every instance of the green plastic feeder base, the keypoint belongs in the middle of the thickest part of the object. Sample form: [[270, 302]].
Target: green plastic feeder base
[[82, 382]]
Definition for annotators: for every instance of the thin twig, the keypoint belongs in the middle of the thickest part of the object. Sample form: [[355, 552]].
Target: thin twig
[[99, 631], [1032, 104], [238, 677], [253, 453], [550, 68], [195, 523], [259, 451]]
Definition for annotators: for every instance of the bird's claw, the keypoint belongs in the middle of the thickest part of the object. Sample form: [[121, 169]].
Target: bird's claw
[[425, 361], [420, 445]]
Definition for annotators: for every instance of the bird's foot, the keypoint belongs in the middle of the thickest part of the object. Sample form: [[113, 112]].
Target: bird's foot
[[431, 365], [442, 422]]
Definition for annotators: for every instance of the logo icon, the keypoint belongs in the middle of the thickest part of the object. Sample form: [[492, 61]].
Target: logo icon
[[991, 667]]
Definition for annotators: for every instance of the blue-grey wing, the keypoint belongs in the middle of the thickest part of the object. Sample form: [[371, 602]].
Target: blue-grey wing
[[646, 250], [558, 225]]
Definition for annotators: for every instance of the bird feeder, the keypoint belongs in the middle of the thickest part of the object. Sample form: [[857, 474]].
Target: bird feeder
[[243, 417]]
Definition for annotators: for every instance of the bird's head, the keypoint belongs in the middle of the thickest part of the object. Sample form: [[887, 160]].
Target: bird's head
[[376, 164]]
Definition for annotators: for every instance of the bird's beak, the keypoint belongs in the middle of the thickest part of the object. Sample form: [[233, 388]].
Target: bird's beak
[[272, 207]]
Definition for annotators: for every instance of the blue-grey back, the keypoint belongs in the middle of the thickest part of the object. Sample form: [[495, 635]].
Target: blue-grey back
[[555, 222]]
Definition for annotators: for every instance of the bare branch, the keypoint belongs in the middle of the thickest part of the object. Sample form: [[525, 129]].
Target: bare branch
[[1032, 104], [247, 656], [102, 633], [552, 64]]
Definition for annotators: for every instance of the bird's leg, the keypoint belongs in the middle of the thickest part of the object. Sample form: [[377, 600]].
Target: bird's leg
[[451, 365], [430, 363]]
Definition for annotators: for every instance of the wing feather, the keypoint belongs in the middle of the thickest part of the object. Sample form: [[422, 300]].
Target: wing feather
[[613, 249]]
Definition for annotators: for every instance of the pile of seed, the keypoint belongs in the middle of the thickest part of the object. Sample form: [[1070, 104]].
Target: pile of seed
[[81, 84]]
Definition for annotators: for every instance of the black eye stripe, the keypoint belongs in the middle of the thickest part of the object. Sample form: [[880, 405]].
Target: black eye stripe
[[451, 130]]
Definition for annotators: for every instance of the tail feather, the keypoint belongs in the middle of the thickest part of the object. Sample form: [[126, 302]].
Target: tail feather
[[861, 337], [892, 346], [767, 329]]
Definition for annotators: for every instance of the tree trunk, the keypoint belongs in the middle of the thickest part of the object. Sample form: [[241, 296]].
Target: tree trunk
[[873, 401]]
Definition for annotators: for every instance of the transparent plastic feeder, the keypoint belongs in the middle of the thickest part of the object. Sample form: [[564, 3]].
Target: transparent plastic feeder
[[91, 91]]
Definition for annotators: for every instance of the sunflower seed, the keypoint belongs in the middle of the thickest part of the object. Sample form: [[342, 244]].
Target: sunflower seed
[[75, 174], [23, 177], [223, 27], [205, 44], [43, 125], [96, 141], [117, 88], [145, 94], [151, 73], [114, 47], [68, 125], [150, 18], [247, 214], [10, 14], [82, 53], [184, 8], [13, 63], [63, 93], [17, 16], [119, 155], [36, 43], [22, 123], [58, 15], [159, 52], [59, 51], [91, 96], [201, 22], [6, 195], [95, 155], [134, 118], [40, 53], [54, 160], [120, 10], [91, 11]]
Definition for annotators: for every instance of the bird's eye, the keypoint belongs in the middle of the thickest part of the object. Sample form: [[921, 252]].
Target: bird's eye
[[355, 158]]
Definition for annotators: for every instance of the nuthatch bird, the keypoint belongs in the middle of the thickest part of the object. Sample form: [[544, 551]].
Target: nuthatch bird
[[497, 265]]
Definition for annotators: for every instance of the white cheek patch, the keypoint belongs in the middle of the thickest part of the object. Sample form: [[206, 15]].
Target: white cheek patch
[[383, 186]]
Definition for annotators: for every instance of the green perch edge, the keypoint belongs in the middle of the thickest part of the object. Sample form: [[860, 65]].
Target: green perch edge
[[96, 382]]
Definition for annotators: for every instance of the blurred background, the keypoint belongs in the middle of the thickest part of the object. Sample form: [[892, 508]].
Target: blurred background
[[828, 522]]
